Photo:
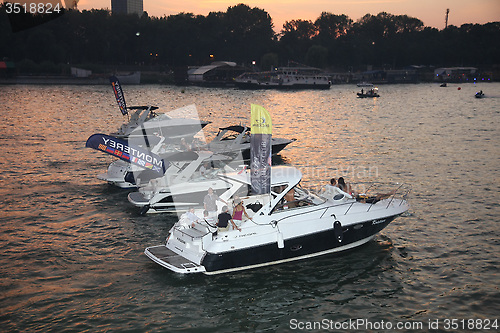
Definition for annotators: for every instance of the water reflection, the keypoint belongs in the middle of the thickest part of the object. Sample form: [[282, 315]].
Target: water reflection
[[73, 247]]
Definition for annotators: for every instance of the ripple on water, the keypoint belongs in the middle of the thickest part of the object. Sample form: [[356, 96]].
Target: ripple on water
[[72, 247]]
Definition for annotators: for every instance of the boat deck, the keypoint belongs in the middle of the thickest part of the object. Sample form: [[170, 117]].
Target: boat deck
[[171, 260]]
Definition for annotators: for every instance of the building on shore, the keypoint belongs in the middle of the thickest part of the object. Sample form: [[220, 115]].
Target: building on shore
[[218, 73], [127, 7], [455, 74]]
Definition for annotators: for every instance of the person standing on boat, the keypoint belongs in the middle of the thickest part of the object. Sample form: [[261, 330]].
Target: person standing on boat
[[210, 202], [223, 220], [238, 212]]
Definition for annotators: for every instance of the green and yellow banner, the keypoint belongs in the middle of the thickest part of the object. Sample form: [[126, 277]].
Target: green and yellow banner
[[260, 149]]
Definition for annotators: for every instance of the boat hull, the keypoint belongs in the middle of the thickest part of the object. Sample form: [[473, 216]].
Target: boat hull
[[294, 249], [297, 86], [298, 248], [360, 95], [177, 198]]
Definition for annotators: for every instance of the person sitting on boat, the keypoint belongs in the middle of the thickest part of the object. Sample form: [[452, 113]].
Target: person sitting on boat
[[223, 220], [210, 202], [189, 218], [331, 190], [185, 146], [290, 199], [204, 169], [238, 212], [345, 187], [375, 198]]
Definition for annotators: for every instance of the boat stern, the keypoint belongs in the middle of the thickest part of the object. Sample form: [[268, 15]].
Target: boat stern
[[167, 258]]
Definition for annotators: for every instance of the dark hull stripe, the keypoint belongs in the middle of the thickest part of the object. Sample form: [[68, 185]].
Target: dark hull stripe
[[294, 248]]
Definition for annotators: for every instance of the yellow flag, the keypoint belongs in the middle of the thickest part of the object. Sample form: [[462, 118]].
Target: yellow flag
[[260, 120], [260, 150]]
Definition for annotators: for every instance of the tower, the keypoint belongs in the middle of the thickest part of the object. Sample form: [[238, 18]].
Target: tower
[[127, 7]]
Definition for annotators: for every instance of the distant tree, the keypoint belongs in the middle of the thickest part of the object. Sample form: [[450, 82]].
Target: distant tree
[[244, 34], [249, 33], [268, 61], [296, 38], [331, 27], [316, 56]]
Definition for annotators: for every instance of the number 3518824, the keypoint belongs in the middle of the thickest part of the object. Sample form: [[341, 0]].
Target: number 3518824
[[32, 8]]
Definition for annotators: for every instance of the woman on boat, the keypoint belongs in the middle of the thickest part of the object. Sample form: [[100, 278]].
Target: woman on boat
[[238, 212], [344, 186], [223, 220]]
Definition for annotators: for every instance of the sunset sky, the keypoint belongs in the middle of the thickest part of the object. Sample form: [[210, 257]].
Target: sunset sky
[[431, 12]]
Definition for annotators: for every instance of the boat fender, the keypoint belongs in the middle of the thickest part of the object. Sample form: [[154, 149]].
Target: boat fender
[[280, 240], [337, 230]]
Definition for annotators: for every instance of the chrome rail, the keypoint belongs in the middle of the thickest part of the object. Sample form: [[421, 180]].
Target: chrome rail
[[403, 195]]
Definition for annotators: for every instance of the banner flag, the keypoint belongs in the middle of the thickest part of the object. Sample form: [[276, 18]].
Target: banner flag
[[260, 150], [129, 153], [120, 98]]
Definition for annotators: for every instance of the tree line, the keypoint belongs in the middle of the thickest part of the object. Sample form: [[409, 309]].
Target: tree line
[[246, 35]]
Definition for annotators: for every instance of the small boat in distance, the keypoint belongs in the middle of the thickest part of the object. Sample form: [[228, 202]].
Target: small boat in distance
[[479, 94], [373, 92], [364, 84], [289, 223]]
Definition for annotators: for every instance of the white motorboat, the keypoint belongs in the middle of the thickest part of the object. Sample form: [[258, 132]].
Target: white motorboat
[[145, 121], [184, 184], [123, 174], [126, 175], [284, 78], [236, 139], [233, 141], [288, 224]]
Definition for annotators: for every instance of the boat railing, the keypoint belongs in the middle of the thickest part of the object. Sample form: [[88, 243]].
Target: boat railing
[[402, 191]]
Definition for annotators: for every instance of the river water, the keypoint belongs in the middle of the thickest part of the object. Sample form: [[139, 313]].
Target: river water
[[72, 246]]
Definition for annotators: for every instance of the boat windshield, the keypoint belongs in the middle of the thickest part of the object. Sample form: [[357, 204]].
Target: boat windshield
[[298, 197]]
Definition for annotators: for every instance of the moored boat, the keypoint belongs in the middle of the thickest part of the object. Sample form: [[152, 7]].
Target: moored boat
[[364, 84], [232, 141], [373, 92], [288, 224], [235, 140], [284, 78], [183, 185]]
